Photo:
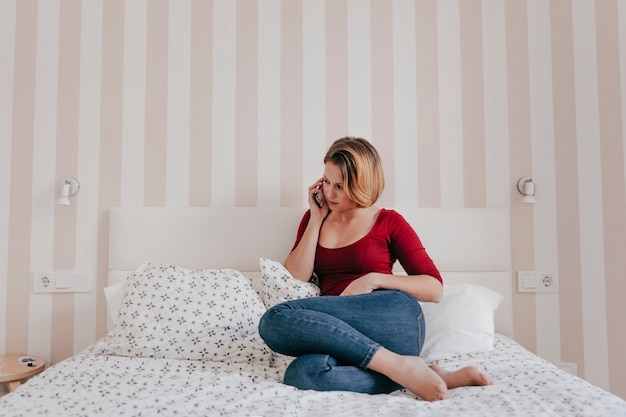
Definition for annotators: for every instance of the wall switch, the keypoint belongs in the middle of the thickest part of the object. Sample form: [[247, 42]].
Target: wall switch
[[61, 281], [82, 282], [537, 281]]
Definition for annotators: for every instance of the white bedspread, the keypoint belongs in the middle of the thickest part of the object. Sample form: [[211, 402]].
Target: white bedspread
[[99, 385]]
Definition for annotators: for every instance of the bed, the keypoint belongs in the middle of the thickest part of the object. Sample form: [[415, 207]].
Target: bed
[[186, 287]]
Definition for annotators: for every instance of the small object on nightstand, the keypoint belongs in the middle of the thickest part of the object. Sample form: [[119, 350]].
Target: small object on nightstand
[[15, 368]]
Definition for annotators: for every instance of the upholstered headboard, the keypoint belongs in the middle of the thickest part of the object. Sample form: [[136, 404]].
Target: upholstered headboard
[[468, 245]]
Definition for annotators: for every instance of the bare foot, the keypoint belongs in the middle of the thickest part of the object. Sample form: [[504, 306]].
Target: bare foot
[[412, 373], [470, 375], [421, 380]]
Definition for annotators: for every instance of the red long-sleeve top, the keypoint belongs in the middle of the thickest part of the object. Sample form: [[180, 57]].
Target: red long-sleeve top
[[390, 239]]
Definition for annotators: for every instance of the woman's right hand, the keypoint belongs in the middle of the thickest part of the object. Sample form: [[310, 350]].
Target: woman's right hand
[[301, 259]]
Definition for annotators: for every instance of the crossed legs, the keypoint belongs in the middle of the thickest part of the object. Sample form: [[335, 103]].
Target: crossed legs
[[366, 343]]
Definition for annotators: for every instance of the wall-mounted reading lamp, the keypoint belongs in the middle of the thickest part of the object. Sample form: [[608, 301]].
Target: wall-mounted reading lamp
[[526, 187], [69, 186]]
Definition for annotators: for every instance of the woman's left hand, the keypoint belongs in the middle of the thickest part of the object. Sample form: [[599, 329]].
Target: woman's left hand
[[362, 285]]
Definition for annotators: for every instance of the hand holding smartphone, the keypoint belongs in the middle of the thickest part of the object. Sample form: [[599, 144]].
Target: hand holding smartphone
[[318, 196]]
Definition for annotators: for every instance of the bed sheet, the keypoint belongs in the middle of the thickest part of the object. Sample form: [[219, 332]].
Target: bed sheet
[[99, 385]]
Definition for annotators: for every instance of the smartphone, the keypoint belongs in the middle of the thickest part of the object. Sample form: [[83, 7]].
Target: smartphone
[[318, 196]]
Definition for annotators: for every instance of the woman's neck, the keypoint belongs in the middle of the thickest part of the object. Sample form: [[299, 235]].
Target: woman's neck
[[349, 215]]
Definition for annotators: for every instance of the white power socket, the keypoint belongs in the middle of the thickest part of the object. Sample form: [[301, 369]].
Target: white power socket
[[61, 281], [537, 281]]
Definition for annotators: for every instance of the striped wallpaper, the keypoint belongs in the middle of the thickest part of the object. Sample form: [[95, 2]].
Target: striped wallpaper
[[233, 103]]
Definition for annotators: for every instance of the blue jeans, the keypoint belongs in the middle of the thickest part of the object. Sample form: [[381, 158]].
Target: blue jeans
[[335, 337]]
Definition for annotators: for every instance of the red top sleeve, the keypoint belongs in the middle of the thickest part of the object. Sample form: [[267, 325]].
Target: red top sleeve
[[390, 239]]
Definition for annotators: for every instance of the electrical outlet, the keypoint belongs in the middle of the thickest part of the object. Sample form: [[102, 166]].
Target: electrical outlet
[[43, 280], [538, 281], [61, 281]]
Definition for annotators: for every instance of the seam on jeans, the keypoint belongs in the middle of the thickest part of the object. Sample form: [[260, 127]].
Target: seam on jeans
[[370, 354], [421, 332], [327, 367]]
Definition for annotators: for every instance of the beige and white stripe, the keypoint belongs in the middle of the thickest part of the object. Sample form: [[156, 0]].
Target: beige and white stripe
[[7, 52], [88, 168], [612, 165], [543, 155], [134, 102], [590, 192]]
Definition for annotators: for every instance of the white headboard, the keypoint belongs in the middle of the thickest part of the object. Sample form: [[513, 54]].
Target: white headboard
[[467, 244]]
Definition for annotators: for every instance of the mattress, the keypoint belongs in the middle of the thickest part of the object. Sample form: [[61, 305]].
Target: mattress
[[92, 384]]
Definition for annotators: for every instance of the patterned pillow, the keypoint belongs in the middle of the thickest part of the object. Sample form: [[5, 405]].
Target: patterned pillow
[[277, 284], [172, 312]]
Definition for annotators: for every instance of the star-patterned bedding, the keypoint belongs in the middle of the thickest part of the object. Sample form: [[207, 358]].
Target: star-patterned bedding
[[92, 384]]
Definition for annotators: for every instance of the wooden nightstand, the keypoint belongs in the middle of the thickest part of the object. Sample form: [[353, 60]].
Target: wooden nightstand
[[12, 372]]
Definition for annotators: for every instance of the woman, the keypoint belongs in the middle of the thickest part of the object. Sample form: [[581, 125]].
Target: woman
[[366, 331]]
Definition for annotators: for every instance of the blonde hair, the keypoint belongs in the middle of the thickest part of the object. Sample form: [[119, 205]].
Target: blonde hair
[[360, 164]]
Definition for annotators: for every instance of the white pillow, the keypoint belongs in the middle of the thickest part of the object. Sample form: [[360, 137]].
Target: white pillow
[[461, 323], [277, 284], [113, 295], [171, 312]]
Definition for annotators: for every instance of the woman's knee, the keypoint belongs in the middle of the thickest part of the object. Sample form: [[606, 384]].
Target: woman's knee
[[270, 322], [410, 304]]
